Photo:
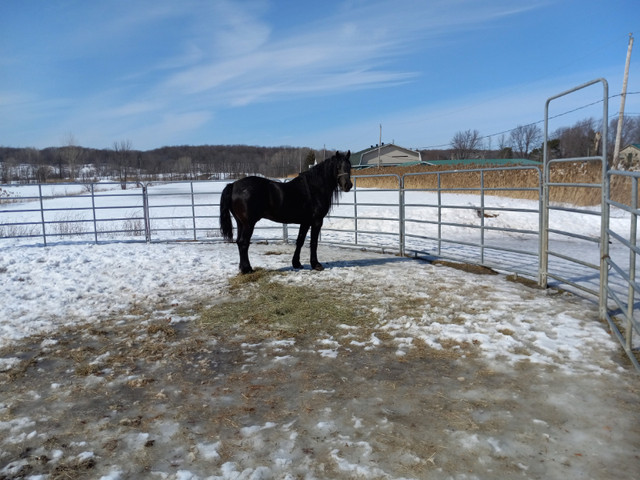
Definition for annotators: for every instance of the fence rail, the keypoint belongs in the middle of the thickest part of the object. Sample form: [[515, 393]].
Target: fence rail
[[483, 235]]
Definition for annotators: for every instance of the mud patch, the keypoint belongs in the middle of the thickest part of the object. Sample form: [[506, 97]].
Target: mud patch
[[466, 267]]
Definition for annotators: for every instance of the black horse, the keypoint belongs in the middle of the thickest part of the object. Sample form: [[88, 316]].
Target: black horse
[[305, 200]]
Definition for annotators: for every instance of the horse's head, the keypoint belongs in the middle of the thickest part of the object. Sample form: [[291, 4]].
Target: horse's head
[[344, 171]]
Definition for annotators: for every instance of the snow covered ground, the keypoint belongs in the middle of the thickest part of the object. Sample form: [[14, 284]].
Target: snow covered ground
[[481, 378], [510, 234]]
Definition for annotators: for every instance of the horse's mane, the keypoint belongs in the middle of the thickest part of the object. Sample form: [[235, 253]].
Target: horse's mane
[[324, 175]]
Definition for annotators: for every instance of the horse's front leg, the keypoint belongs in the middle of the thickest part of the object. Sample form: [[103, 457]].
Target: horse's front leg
[[302, 234], [315, 233]]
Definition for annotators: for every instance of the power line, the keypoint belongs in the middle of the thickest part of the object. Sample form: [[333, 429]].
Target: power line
[[542, 121]]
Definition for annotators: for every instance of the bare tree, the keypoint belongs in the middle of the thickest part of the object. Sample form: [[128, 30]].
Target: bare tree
[[122, 150], [578, 140], [524, 137], [184, 167], [42, 173], [466, 144], [7, 169], [70, 154], [504, 150]]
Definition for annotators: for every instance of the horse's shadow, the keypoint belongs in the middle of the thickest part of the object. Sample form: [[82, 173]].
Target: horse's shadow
[[359, 262]]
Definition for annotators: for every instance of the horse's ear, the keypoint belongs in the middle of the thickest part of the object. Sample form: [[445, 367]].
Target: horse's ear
[[348, 154]]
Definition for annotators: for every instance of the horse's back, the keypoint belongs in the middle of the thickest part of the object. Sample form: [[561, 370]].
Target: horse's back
[[252, 198], [256, 188], [258, 197]]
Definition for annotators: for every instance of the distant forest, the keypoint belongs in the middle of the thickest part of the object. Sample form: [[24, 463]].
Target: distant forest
[[122, 163]]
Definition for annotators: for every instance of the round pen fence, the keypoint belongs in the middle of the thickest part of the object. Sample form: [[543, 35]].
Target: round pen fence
[[419, 215], [429, 215]]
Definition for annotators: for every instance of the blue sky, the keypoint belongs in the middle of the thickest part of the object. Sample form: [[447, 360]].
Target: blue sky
[[322, 73]]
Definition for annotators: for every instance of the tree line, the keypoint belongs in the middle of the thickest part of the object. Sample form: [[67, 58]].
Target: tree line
[[123, 163], [583, 139]]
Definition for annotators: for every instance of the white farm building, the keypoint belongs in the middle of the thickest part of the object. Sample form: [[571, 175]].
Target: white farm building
[[385, 155]]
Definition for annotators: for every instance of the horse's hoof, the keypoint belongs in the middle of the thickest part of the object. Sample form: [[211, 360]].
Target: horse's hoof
[[246, 270], [297, 265], [318, 267]]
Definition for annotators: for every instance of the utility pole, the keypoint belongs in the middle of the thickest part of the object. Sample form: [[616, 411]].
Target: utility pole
[[616, 148], [379, 145]]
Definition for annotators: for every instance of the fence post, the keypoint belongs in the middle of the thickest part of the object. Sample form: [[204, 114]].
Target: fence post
[[604, 228], [482, 217], [44, 232], [145, 213], [543, 265], [193, 213], [93, 210], [355, 209], [632, 264], [439, 186], [541, 210], [401, 214]]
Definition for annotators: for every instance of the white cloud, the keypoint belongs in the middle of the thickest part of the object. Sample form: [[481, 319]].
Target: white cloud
[[228, 54], [246, 60]]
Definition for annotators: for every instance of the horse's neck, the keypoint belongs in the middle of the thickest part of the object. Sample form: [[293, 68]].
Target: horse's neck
[[318, 189]]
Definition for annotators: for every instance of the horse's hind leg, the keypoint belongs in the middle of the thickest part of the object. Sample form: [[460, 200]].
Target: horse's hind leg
[[302, 234], [315, 233], [244, 240]]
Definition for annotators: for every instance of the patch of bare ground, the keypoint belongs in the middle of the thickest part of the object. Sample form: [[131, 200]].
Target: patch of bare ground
[[303, 384], [467, 267]]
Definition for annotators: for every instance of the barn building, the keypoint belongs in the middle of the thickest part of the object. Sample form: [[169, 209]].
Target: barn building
[[629, 157], [385, 155]]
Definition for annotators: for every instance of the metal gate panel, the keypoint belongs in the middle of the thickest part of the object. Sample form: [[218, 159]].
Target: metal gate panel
[[623, 314], [545, 252]]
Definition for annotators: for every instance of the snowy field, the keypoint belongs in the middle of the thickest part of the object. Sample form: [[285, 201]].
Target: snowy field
[[107, 372]]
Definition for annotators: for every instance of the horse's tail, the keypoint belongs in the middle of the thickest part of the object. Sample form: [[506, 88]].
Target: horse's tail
[[226, 227]]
